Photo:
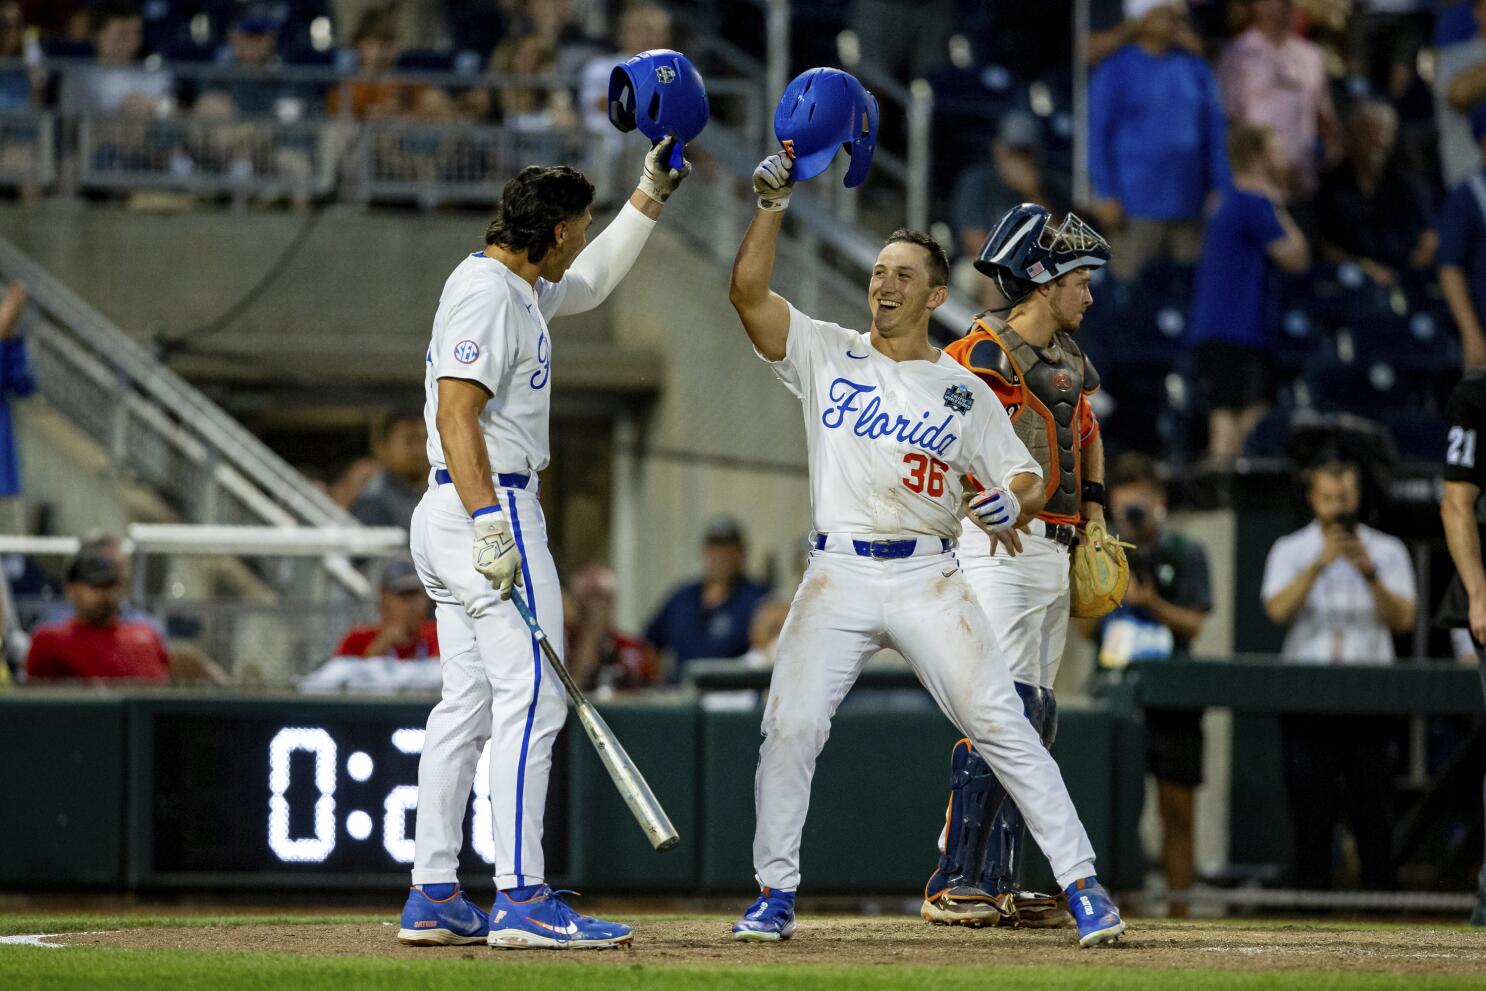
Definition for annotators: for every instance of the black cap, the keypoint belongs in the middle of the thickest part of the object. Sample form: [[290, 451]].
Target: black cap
[[723, 530], [93, 568], [401, 577]]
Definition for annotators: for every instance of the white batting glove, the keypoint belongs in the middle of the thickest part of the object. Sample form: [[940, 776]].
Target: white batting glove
[[496, 556], [995, 510], [658, 181], [772, 182]]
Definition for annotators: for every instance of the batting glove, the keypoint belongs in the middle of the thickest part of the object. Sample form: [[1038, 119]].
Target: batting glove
[[772, 182], [496, 556], [995, 509], [658, 181]]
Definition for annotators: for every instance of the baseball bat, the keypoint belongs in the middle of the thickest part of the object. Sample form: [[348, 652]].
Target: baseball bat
[[643, 804]]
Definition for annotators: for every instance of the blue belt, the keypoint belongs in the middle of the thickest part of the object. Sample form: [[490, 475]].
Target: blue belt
[[882, 549], [517, 480]]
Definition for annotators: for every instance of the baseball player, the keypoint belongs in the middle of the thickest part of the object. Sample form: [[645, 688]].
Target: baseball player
[[893, 426], [479, 530], [1465, 478], [1035, 368]]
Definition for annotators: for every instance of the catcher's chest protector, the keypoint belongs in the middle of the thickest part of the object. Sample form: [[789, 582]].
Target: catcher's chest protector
[[1053, 379]]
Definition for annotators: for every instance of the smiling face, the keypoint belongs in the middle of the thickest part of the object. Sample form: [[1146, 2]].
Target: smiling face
[[571, 235], [900, 294]]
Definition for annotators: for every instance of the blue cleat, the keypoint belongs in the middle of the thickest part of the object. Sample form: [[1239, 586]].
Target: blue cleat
[[769, 919], [444, 922], [545, 921], [1098, 919]]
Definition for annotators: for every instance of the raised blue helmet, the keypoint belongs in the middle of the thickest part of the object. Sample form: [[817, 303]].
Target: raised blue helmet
[[1027, 250], [661, 93], [823, 110]]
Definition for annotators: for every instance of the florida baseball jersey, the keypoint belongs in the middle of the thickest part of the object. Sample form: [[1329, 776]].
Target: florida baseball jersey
[[491, 328], [888, 441]]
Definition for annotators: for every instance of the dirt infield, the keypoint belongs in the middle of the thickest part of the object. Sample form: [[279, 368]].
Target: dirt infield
[[1178, 945]]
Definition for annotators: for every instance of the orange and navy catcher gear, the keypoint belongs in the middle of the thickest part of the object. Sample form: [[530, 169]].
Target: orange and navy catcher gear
[[1046, 393]]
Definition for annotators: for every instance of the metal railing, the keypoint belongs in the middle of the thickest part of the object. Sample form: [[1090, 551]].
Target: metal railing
[[158, 429], [268, 640]]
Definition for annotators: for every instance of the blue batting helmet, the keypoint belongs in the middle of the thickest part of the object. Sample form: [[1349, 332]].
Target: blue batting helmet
[[1027, 250], [820, 111], [661, 93]]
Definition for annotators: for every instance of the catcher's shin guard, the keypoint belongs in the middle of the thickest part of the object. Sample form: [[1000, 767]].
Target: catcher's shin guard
[[1002, 862], [950, 897]]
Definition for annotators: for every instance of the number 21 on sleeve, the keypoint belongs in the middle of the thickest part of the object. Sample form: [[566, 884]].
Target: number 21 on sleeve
[[925, 474]]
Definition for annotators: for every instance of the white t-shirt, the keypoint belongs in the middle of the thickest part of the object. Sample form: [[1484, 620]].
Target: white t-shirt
[[1338, 624], [888, 441], [491, 328]]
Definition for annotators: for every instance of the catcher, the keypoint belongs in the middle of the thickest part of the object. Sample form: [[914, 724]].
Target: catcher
[[1026, 584]]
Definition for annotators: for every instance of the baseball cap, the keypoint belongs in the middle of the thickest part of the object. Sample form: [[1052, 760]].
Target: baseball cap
[[723, 530], [93, 568], [1136, 9], [1018, 130], [401, 577], [257, 18], [1478, 122]]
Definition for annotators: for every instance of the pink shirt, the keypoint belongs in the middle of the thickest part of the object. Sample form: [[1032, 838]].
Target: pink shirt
[[1282, 87]]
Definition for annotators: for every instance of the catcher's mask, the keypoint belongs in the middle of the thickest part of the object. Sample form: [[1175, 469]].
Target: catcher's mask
[[1027, 250], [660, 92]]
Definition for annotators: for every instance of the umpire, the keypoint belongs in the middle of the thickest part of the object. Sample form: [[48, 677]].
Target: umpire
[[1465, 476]]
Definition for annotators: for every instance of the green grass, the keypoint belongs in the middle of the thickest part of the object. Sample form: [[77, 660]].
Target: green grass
[[80, 967], [18, 925]]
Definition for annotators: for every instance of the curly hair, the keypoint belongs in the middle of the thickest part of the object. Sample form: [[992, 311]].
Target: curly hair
[[538, 199]]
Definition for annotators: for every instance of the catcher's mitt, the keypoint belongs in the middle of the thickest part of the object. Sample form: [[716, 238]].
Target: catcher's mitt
[[1099, 573]]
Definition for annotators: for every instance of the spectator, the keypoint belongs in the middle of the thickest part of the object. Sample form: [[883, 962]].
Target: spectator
[[1249, 236], [371, 95], [252, 46], [17, 86], [389, 497], [527, 106], [985, 191], [599, 655], [1462, 253], [763, 633], [1156, 142], [1113, 25], [15, 381], [117, 83], [1459, 88], [1370, 210], [1165, 607], [642, 27], [97, 643], [554, 23], [1271, 77], [346, 486], [1344, 590], [907, 39], [709, 618], [109, 546], [404, 629], [414, 23]]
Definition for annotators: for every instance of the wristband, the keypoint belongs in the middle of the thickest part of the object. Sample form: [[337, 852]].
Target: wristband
[[1094, 492], [488, 509]]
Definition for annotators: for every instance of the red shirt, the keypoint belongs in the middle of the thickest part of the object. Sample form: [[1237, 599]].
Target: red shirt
[[76, 650], [361, 637]]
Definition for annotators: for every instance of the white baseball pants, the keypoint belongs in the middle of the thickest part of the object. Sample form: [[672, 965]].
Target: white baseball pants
[[847, 607], [1026, 599], [497, 687]]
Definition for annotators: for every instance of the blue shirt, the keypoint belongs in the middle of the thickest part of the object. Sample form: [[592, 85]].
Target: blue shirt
[[15, 380], [1231, 299], [1462, 231], [1156, 133], [685, 628]]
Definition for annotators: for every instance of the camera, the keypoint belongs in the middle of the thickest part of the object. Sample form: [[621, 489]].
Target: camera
[[1347, 521]]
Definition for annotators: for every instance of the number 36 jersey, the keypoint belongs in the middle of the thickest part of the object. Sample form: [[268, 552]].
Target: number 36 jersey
[[888, 441]]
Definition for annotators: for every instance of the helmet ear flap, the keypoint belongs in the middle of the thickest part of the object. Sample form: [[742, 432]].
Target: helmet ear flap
[[622, 100]]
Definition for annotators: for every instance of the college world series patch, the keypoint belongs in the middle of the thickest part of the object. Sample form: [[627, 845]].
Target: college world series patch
[[958, 398]]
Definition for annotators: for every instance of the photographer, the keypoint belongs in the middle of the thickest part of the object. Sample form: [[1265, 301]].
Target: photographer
[[1167, 602], [1344, 590]]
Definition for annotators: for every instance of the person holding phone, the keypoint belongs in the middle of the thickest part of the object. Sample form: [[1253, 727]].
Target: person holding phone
[[1344, 590]]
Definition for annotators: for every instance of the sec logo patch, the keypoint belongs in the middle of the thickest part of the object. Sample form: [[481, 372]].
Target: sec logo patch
[[466, 352]]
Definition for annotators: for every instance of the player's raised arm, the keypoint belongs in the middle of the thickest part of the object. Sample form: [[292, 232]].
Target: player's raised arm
[[603, 264], [764, 313]]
